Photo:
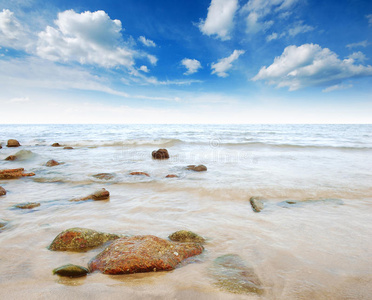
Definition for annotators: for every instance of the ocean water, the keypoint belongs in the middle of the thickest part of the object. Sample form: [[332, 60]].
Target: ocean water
[[318, 248]]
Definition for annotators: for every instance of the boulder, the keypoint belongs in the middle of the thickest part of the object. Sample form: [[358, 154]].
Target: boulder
[[56, 145], [139, 173], [13, 143], [52, 163], [80, 240], [171, 176], [27, 205], [199, 168], [186, 236], [11, 157], [230, 273], [71, 271], [2, 191], [68, 148], [140, 254], [256, 203], [106, 176], [160, 154], [14, 173]]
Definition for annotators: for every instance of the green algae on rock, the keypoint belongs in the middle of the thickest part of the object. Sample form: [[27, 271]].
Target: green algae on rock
[[256, 203], [231, 274], [144, 253], [186, 236], [27, 205], [80, 240], [71, 271]]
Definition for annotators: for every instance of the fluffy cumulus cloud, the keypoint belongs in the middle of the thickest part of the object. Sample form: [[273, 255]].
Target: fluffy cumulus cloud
[[219, 19], [88, 38], [311, 65], [192, 65], [146, 42], [12, 34], [223, 65]]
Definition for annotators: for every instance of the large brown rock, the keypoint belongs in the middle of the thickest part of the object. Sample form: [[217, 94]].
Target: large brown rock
[[80, 240], [2, 191], [13, 143], [139, 254], [160, 154], [14, 173], [199, 168]]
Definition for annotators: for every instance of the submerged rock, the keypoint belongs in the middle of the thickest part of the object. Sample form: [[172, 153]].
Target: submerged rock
[[2, 191], [68, 148], [171, 176], [52, 163], [256, 203], [71, 271], [186, 236], [160, 154], [27, 205], [21, 155], [56, 145], [101, 194], [11, 157], [13, 143], [80, 240], [106, 176], [14, 173], [140, 254], [230, 273], [3, 224], [199, 168], [139, 173]]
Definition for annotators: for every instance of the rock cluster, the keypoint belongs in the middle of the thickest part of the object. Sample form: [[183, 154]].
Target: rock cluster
[[14, 173], [160, 154]]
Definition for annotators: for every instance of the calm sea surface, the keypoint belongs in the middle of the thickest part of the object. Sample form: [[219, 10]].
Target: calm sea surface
[[319, 248]]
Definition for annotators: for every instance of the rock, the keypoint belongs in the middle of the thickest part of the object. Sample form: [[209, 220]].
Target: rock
[[68, 148], [80, 240], [13, 143], [199, 168], [256, 203], [171, 176], [231, 274], [56, 145], [139, 173], [1, 146], [3, 224], [139, 254], [186, 236], [11, 157], [71, 271], [52, 163], [2, 191], [14, 173], [27, 205], [160, 154], [106, 176], [101, 194]]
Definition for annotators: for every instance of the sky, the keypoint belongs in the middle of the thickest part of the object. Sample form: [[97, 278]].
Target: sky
[[185, 61]]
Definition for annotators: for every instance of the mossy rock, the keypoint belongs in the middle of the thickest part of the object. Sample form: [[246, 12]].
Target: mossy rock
[[186, 236], [71, 271]]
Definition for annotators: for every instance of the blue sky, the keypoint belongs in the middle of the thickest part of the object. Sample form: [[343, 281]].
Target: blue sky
[[195, 61]]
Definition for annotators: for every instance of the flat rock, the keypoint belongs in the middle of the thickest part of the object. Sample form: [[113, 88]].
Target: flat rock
[[13, 143], [2, 191], [230, 273], [160, 154], [199, 168], [171, 176], [27, 205], [139, 173], [80, 240], [256, 203], [140, 254], [68, 148], [71, 271], [14, 173], [106, 176], [11, 157], [186, 236], [56, 145], [52, 163]]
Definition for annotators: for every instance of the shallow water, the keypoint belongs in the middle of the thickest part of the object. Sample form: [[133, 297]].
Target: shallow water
[[320, 248]]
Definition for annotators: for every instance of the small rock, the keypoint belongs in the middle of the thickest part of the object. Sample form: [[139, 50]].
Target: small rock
[[56, 145], [256, 203], [71, 271], [1, 146], [14, 173], [13, 143], [80, 240], [52, 163], [101, 194], [68, 148], [3, 224], [199, 168], [231, 274], [2, 191], [27, 205], [139, 173], [11, 157], [106, 176], [140, 254], [160, 154], [186, 236], [171, 176]]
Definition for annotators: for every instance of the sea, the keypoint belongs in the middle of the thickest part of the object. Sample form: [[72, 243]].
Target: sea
[[312, 240]]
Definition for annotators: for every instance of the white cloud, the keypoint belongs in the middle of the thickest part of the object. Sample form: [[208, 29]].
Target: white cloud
[[272, 36], [358, 56], [144, 69], [152, 59], [219, 19], [310, 65], [20, 99], [146, 42], [12, 34], [337, 87], [298, 28], [88, 38], [369, 17], [225, 64], [192, 65], [360, 44]]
